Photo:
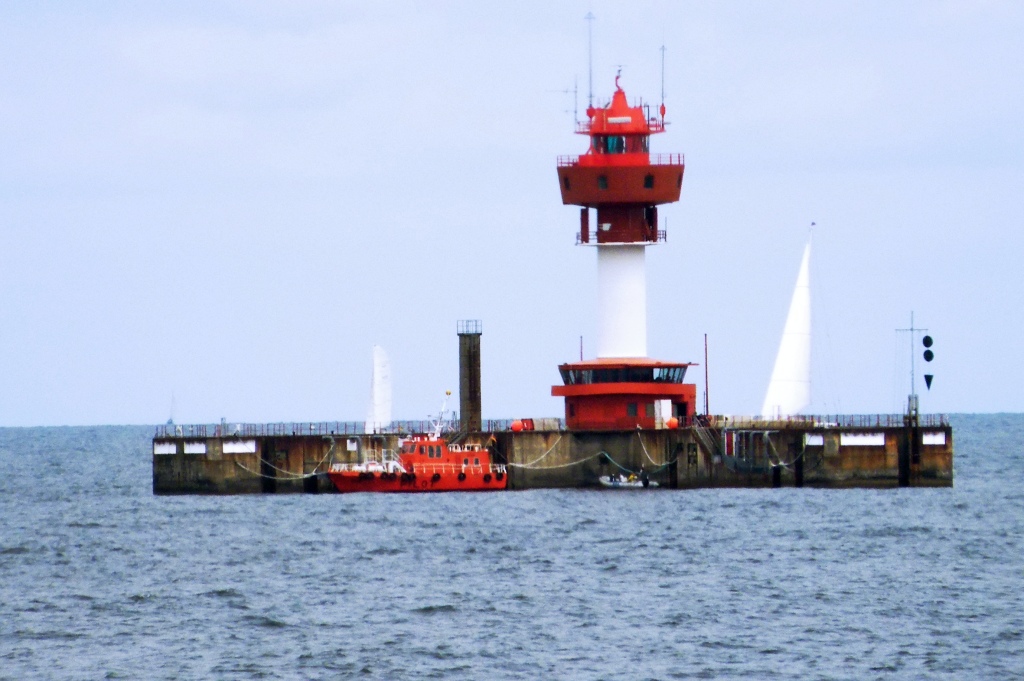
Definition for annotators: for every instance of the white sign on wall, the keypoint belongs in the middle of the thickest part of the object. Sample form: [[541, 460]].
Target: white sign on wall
[[862, 439], [239, 446]]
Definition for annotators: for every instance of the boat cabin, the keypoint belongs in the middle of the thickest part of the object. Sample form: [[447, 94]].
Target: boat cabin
[[430, 451]]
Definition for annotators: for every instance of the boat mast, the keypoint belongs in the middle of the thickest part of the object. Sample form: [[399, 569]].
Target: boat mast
[[439, 423]]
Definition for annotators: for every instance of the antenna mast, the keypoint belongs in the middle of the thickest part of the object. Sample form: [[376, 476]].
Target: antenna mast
[[662, 74], [912, 400], [590, 59]]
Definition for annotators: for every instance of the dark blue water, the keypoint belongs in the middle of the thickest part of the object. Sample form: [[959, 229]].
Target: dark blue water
[[99, 579]]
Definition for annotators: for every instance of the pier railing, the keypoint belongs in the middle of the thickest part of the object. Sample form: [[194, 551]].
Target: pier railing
[[316, 428], [824, 421], [592, 238], [331, 428], [654, 159]]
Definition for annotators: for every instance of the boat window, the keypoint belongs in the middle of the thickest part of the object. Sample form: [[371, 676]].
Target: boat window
[[431, 451], [465, 462], [423, 450], [476, 462], [650, 410], [649, 182], [602, 182], [631, 409], [565, 181]]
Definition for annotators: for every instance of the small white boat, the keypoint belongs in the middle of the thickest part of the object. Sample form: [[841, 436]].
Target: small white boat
[[620, 482]]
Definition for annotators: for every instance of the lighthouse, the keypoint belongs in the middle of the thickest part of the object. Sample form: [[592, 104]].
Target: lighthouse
[[621, 183]]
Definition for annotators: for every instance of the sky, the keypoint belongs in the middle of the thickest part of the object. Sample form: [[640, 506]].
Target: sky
[[215, 209]]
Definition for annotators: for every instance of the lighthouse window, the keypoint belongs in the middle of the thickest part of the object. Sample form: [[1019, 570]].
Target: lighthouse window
[[649, 182], [616, 144], [670, 375], [602, 182]]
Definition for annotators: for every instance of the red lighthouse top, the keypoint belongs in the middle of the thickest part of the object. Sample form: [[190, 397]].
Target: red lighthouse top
[[620, 128], [618, 175]]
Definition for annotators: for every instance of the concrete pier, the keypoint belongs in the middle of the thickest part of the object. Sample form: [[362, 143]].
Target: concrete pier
[[841, 451]]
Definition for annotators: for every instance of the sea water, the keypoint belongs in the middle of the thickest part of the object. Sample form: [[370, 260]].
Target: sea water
[[100, 579]]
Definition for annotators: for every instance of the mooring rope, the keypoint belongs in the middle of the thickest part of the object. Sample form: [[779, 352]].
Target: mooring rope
[[617, 464], [768, 438], [557, 466], [289, 475], [644, 447], [551, 449]]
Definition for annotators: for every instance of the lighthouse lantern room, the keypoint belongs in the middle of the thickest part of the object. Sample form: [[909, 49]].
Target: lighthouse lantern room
[[624, 183]]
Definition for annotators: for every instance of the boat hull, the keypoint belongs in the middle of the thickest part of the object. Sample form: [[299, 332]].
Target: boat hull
[[478, 480]]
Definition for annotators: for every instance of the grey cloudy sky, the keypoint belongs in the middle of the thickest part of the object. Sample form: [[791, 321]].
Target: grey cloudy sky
[[231, 202]]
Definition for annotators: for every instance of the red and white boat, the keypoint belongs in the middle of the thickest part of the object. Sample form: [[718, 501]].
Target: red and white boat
[[423, 463]]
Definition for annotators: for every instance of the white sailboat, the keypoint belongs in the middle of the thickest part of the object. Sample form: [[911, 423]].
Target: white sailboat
[[789, 391], [378, 415]]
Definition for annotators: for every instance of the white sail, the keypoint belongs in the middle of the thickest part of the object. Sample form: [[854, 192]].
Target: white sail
[[378, 416], [789, 390]]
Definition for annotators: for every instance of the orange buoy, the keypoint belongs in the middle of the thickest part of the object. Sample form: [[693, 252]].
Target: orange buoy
[[673, 422], [517, 426]]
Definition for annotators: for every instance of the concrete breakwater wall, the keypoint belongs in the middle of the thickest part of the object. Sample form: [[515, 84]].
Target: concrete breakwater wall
[[849, 451]]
